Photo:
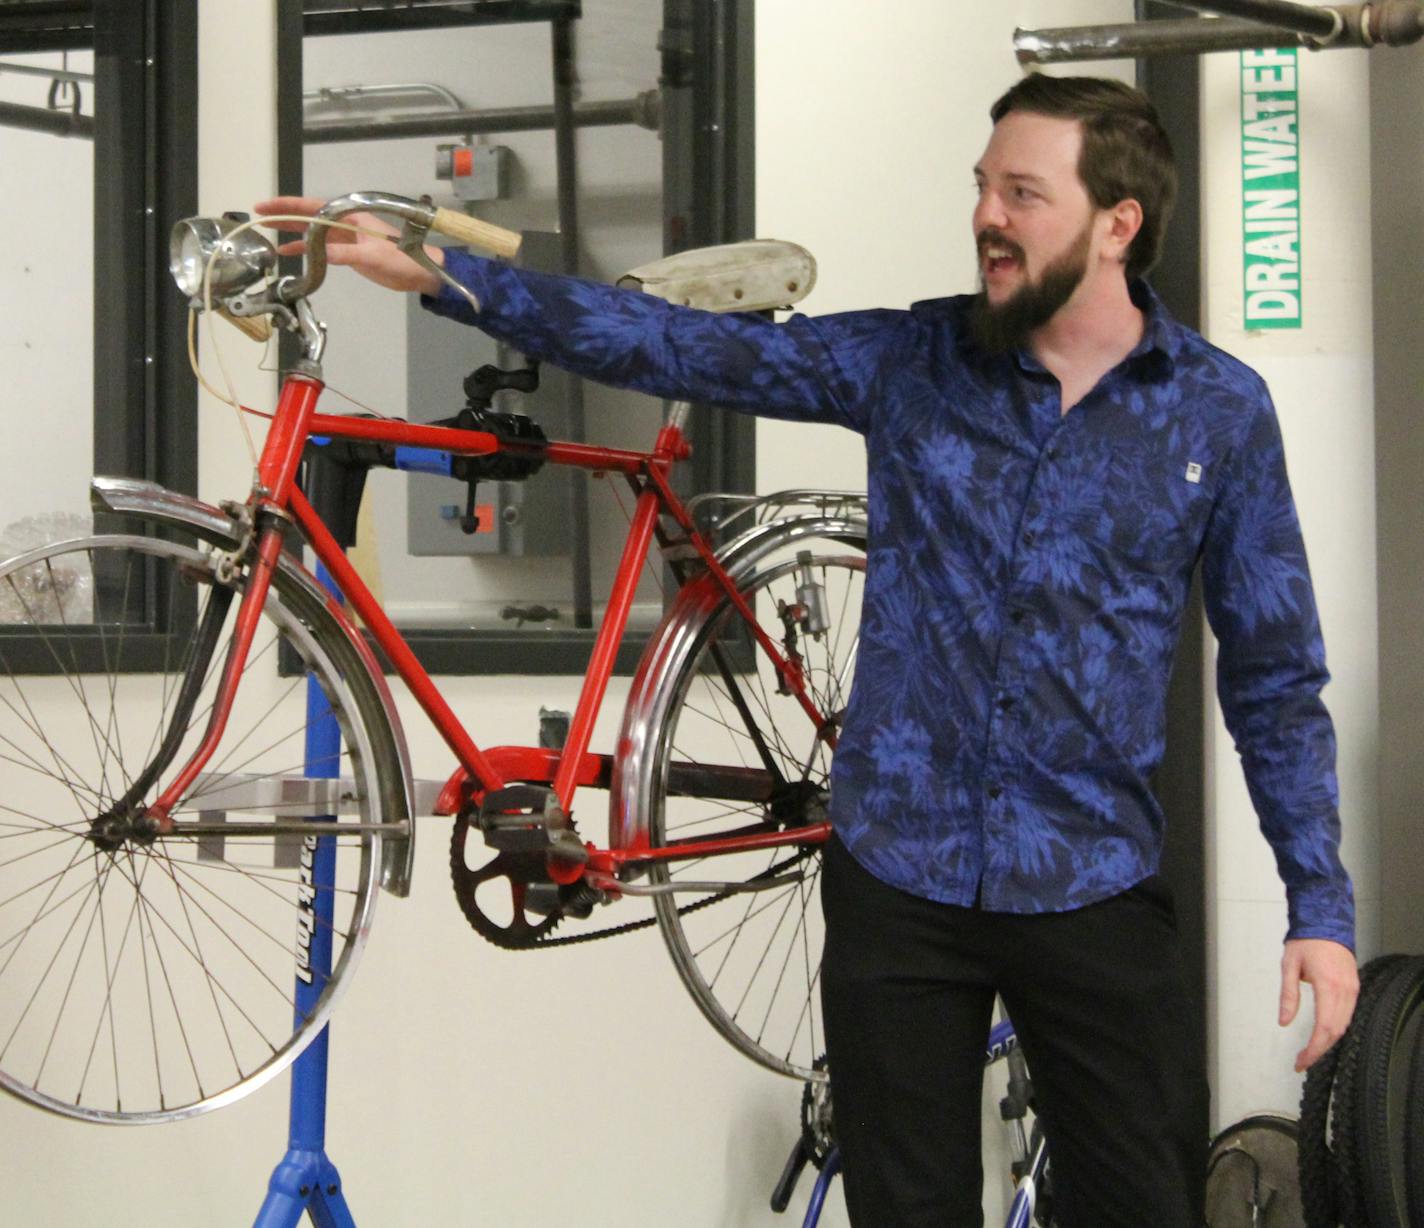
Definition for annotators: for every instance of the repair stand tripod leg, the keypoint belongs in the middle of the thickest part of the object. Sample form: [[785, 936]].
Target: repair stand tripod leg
[[306, 1180]]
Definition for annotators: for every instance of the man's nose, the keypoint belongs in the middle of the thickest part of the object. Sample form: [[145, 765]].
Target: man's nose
[[989, 211]]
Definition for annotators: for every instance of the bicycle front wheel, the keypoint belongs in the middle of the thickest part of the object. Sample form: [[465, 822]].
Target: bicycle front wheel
[[737, 754], [144, 976]]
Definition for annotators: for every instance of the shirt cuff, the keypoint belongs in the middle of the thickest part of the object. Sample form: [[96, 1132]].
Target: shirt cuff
[[1323, 910]]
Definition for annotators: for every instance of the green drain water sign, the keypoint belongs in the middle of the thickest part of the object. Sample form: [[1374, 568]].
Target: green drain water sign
[[1270, 188]]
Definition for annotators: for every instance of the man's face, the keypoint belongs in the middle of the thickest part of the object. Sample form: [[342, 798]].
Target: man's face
[[1034, 226]]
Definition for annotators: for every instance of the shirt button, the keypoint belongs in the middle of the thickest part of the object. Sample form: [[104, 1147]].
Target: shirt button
[[1016, 616], [1052, 453], [1006, 703], [1028, 537], [994, 792]]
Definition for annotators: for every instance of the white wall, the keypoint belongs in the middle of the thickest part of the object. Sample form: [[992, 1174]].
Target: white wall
[[1320, 377]]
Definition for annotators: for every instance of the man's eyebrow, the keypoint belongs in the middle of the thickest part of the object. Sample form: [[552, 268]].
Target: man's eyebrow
[[1013, 176]]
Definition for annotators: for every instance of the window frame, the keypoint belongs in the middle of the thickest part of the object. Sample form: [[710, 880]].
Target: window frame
[[145, 136], [709, 197]]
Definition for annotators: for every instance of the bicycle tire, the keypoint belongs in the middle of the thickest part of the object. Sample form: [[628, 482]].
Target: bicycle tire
[[1319, 1174], [752, 961], [1345, 1142], [153, 979], [1379, 1107], [1414, 1135]]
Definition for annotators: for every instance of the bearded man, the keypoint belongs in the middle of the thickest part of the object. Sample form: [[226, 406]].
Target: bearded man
[[1048, 461]]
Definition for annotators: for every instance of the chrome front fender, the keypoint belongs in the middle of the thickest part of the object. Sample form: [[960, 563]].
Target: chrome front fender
[[652, 692], [132, 497]]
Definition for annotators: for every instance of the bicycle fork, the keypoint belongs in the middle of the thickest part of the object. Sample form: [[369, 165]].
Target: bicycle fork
[[276, 477]]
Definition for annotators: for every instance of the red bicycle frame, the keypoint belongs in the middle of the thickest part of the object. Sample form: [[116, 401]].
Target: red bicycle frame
[[277, 499]]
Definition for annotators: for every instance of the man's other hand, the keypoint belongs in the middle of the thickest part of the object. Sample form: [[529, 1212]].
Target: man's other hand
[[1329, 968]]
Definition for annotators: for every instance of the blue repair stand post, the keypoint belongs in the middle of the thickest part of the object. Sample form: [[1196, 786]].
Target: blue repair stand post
[[306, 1180]]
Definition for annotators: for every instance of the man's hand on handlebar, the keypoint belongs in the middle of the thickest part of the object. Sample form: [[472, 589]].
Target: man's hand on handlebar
[[377, 259]]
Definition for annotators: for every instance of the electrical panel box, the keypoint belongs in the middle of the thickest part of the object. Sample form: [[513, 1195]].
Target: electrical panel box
[[516, 519], [475, 172]]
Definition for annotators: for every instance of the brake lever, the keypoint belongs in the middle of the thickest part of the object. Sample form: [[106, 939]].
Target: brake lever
[[412, 243]]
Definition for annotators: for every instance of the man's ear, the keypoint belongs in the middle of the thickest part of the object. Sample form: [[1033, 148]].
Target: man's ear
[[1124, 221]]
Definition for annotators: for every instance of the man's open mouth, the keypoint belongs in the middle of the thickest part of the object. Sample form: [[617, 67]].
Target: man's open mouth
[[999, 258]]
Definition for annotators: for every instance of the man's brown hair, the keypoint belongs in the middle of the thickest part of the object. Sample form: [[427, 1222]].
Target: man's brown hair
[[1125, 156]]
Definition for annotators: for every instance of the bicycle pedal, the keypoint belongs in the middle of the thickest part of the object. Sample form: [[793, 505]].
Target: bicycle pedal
[[527, 819]]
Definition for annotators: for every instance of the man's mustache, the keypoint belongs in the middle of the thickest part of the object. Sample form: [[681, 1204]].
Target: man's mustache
[[990, 237]]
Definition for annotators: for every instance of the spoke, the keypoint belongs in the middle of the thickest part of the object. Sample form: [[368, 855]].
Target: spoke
[[282, 944], [107, 1009], [90, 889], [73, 786], [188, 897], [173, 1002], [213, 983], [96, 736], [148, 988], [786, 962], [245, 869], [41, 911], [39, 628], [64, 838], [36, 826], [751, 980], [758, 902], [808, 1008]]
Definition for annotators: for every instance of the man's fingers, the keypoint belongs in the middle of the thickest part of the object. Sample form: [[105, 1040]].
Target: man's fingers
[[1330, 969], [288, 204], [1320, 1040], [1290, 989]]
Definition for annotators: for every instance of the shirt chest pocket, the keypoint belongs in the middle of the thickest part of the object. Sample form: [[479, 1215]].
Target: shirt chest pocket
[[1153, 518]]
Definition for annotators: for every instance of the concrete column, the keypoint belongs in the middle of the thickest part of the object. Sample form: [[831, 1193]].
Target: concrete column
[[1320, 376]]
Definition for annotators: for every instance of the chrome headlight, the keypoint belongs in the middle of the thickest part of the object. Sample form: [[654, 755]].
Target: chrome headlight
[[241, 260]]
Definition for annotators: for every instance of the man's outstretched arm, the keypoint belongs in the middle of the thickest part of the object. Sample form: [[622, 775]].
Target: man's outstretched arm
[[828, 369]]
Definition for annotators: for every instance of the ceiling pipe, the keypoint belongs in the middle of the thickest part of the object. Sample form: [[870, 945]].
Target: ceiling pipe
[[645, 111], [42, 119], [1144, 38], [1392, 23]]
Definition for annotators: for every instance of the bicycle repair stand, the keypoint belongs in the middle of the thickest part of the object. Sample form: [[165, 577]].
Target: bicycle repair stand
[[306, 1180]]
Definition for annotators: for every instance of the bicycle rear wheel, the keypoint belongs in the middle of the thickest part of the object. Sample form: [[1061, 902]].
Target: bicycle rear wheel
[[736, 755], [150, 977]]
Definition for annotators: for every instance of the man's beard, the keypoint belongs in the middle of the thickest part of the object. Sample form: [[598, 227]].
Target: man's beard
[[1006, 327]]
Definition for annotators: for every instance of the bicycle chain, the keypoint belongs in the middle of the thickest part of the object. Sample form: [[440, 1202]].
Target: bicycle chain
[[548, 939]]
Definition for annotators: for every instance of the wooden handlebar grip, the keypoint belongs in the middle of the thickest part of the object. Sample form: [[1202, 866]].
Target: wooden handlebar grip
[[467, 229], [259, 328]]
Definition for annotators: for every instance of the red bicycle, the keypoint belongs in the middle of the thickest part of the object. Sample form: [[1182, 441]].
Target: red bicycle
[[167, 850]]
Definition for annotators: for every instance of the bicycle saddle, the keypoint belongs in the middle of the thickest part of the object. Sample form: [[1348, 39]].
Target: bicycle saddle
[[753, 275]]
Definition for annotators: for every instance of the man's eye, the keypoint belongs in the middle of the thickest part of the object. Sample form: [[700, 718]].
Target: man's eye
[[1024, 194]]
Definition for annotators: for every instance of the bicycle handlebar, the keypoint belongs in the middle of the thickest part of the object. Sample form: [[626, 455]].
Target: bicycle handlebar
[[420, 214]]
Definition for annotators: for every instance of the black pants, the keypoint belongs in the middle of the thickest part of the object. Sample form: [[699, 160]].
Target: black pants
[[1098, 1000]]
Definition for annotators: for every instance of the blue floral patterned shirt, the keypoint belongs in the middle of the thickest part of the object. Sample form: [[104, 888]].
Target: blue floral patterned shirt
[[1026, 579]]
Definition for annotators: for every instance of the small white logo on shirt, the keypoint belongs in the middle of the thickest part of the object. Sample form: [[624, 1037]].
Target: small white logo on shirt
[[1193, 472]]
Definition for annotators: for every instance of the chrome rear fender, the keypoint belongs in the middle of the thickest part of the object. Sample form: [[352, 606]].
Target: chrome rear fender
[[652, 693], [131, 497]]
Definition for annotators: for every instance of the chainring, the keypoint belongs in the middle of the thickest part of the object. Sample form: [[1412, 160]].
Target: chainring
[[524, 929]]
